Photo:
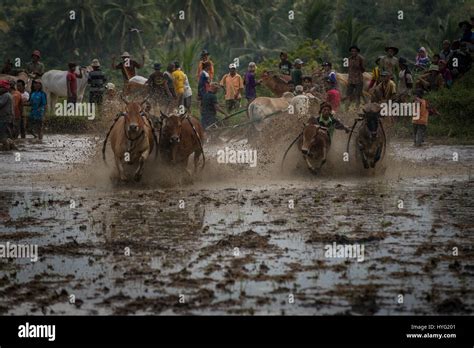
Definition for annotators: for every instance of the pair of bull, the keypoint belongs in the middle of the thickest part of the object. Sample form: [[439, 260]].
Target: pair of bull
[[133, 138], [314, 140]]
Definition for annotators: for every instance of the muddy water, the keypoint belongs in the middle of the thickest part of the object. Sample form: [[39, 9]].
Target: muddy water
[[237, 241]]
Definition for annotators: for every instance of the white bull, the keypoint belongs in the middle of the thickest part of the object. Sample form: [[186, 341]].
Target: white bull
[[54, 85], [265, 106]]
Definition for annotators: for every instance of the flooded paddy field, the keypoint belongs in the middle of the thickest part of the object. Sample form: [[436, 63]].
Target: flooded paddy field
[[237, 241]]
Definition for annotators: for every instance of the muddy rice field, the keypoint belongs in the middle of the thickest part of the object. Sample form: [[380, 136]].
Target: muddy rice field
[[238, 240]]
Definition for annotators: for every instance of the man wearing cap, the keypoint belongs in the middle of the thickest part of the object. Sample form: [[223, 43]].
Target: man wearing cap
[[356, 71], [387, 89], [96, 81], [6, 114], [210, 106], [158, 88], [390, 62], [297, 73], [205, 59], [431, 80], [285, 65], [128, 66], [233, 85], [35, 68]]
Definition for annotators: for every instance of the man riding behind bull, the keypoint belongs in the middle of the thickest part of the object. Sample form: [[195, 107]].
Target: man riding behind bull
[[35, 69], [128, 66], [327, 119], [210, 106], [158, 89], [96, 81]]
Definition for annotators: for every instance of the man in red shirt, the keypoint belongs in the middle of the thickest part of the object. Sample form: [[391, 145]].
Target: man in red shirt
[[333, 96], [18, 125], [71, 82]]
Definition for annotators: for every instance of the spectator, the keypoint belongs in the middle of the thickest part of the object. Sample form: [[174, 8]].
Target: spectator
[[446, 73], [71, 82], [233, 85], [6, 115], [128, 66], [35, 68], [431, 80], [25, 96], [405, 78], [251, 83], [307, 84], [96, 81], [355, 80], [285, 65], [178, 83], [38, 109], [422, 61], [297, 73], [204, 80], [17, 111], [210, 106], [330, 74], [390, 62], [376, 78], [205, 60], [446, 53], [333, 96]]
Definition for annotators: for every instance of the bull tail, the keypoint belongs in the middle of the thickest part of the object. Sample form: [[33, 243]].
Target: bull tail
[[384, 140], [199, 141], [288, 149], [107, 138], [350, 135]]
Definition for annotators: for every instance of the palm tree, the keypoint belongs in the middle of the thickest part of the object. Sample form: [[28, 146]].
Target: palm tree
[[120, 16], [348, 32]]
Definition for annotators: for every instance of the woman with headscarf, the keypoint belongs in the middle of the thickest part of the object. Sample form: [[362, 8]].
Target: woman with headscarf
[[422, 61]]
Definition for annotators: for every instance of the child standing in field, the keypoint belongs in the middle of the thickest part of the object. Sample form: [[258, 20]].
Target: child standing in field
[[38, 107], [420, 122]]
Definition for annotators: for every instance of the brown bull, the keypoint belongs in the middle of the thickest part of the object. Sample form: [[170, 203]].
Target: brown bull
[[132, 140], [314, 145], [278, 84], [180, 136], [370, 140]]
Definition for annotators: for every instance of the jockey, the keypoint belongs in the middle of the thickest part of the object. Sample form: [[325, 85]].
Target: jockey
[[328, 120]]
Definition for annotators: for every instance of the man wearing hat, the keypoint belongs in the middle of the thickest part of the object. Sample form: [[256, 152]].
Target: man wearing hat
[[390, 62], [356, 79], [233, 85], [128, 66], [327, 119], [204, 59], [158, 88], [432, 80], [96, 81], [35, 68]]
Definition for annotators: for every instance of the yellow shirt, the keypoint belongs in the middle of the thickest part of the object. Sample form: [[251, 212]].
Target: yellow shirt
[[178, 80], [232, 86]]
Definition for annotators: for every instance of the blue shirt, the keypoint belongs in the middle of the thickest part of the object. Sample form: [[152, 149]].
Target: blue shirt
[[38, 104]]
